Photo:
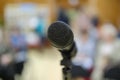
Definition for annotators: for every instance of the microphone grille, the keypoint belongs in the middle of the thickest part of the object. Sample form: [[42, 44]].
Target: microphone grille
[[60, 34]]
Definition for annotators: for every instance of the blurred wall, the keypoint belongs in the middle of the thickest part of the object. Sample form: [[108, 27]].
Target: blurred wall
[[2, 3], [107, 10]]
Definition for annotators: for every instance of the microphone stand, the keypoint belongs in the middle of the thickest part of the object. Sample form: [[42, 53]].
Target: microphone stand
[[66, 62]]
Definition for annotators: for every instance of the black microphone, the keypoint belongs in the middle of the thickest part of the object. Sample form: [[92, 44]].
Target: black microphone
[[60, 36]]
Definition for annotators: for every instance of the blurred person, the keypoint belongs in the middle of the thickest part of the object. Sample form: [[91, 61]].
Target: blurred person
[[6, 60], [107, 54], [7, 71], [118, 24], [40, 30], [86, 36], [72, 13], [78, 73], [18, 42], [95, 21], [62, 16], [118, 32], [85, 55]]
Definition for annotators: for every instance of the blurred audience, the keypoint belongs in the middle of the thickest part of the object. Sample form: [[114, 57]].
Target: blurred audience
[[107, 53]]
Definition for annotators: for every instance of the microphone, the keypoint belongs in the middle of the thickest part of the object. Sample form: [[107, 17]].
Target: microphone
[[61, 36]]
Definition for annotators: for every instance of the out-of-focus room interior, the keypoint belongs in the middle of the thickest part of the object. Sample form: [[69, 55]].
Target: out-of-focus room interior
[[26, 53]]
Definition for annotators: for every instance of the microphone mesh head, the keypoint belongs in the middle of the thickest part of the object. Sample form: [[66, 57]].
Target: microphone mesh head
[[60, 34]]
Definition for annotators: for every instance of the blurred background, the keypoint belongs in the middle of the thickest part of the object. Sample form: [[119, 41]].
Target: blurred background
[[26, 54]]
